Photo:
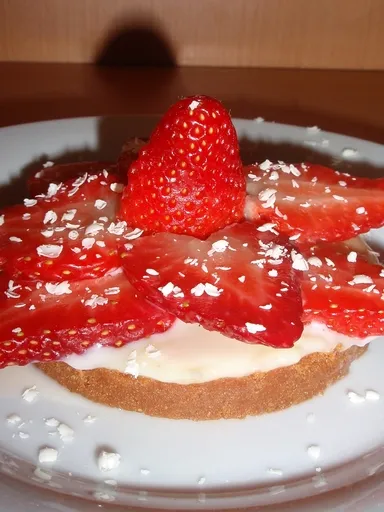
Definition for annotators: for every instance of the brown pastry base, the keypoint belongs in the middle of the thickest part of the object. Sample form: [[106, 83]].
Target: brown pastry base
[[223, 398]]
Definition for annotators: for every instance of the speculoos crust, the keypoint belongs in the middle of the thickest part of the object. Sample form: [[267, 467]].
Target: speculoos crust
[[256, 394]]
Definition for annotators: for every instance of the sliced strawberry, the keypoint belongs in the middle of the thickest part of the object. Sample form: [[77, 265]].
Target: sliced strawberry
[[343, 290], [188, 178], [313, 203], [239, 281], [129, 153], [39, 182], [71, 233], [47, 321]]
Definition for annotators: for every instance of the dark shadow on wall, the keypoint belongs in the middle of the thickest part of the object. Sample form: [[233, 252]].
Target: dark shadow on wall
[[136, 43]]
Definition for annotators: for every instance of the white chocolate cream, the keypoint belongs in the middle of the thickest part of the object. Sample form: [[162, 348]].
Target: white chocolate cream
[[187, 354]]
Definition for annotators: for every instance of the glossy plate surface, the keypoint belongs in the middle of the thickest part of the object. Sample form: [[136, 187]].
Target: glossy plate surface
[[168, 464]]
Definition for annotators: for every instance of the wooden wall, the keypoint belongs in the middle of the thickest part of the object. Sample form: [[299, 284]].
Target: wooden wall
[[344, 34]]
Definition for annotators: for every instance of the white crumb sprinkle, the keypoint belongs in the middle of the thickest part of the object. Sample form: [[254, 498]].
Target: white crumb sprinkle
[[66, 433], [201, 480], [144, 471], [298, 261], [52, 422], [49, 251], [339, 198], [259, 120], [266, 306], [241, 279], [268, 226], [311, 418], [267, 194], [372, 395], [167, 289], [220, 246], [100, 204], [152, 272], [53, 188], [23, 435], [62, 288], [198, 290], [13, 419], [88, 242], [132, 235], [273, 471], [15, 239], [355, 398], [111, 482], [89, 419], [352, 257], [30, 394], [315, 261], [48, 164], [69, 215], [194, 104], [30, 202], [117, 187], [361, 279], [349, 153], [50, 217], [360, 210], [313, 451], [94, 228], [266, 165], [48, 455], [42, 475], [254, 328], [313, 129], [117, 228], [107, 461]]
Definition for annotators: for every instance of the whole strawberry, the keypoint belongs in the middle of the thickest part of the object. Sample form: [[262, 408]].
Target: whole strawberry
[[188, 178]]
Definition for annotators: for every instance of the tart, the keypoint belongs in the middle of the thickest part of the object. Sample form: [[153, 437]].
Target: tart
[[194, 288]]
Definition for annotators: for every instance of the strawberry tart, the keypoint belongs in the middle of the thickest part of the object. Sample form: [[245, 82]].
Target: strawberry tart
[[179, 283]]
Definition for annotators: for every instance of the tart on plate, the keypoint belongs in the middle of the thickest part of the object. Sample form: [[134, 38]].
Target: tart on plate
[[192, 287]]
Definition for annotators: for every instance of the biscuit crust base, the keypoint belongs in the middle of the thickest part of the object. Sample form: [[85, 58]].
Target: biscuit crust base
[[259, 393]]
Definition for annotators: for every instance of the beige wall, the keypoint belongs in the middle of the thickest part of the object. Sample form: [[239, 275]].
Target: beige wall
[[278, 33]]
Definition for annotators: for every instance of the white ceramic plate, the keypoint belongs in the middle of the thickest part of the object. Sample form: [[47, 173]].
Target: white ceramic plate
[[183, 464]]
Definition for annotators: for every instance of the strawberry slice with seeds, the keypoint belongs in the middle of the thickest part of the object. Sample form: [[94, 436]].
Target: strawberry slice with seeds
[[69, 234], [188, 178], [240, 281], [312, 203], [49, 321], [344, 290], [39, 182]]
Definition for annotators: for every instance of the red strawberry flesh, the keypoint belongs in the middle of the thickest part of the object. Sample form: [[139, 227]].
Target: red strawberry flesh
[[188, 178], [313, 203], [69, 234], [46, 322], [344, 291], [239, 281]]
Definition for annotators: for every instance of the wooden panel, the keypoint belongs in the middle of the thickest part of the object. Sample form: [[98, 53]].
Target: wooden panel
[[276, 33]]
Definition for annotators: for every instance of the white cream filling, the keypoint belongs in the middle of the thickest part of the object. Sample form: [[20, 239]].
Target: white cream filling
[[187, 353]]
